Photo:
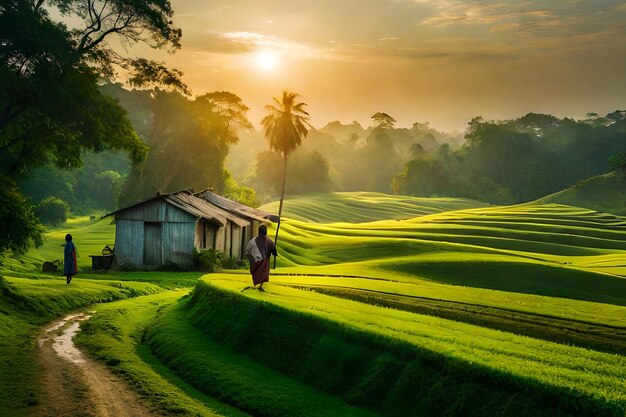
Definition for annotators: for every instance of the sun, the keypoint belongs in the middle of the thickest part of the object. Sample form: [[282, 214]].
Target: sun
[[266, 61]]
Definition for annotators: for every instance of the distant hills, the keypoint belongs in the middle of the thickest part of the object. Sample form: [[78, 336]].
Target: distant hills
[[604, 193]]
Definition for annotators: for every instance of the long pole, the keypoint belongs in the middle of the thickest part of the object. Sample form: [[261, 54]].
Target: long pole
[[280, 206]]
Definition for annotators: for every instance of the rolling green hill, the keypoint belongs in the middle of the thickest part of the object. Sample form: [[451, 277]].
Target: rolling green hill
[[356, 207], [604, 193], [381, 305], [551, 250]]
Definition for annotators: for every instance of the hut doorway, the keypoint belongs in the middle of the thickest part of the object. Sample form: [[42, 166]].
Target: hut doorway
[[152, 239]]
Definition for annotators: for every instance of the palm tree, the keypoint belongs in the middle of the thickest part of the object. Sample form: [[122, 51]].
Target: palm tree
[[285, 125]]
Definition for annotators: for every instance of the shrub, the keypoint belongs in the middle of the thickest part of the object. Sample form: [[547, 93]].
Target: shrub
[[52, 211], [209, 260], [234, 263], [20, 226]]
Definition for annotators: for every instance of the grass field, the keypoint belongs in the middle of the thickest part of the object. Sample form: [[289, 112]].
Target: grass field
[[550, 250], [89, 235], [593, 381], [606, 193], [358, 207], [381, 305]]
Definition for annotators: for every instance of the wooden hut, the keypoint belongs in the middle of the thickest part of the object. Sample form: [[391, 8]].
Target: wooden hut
[[254, 218], [165, 229]]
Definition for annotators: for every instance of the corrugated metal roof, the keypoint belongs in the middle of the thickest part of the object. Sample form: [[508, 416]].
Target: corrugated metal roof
[[185, 200], [236, 208], [196, 206]]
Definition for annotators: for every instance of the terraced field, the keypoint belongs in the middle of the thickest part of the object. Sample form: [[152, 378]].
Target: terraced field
[[551, 250], [357, 207], [386, 305]]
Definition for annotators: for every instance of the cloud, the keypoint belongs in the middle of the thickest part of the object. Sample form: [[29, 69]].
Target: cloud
[[248, 42], [531, 17]]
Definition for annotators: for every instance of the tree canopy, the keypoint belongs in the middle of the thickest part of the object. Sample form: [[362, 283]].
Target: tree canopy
[[383, 120], [518, 160], [188, 140], [51, 107]]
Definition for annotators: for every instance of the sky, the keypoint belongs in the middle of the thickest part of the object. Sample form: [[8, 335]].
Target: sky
[[441, 61]]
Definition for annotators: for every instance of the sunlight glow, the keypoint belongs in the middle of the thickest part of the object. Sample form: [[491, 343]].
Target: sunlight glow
[[266, 61]]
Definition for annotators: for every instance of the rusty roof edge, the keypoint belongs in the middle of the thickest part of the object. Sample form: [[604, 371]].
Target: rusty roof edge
[[238, 208], [195, 211], [210, 208]]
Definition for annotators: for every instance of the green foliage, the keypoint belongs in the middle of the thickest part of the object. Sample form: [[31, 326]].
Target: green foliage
[[617, 162], [383, 120], [234, 263], [94, 187], [209, 260], [519, 160], [308, 173], [20, 226], [421, 177], [52, 211], [188, 141], [51, 107], [239, 193], [286, 125], [358, 159]]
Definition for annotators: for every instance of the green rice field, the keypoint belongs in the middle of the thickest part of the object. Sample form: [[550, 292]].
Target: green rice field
[[380, 305]]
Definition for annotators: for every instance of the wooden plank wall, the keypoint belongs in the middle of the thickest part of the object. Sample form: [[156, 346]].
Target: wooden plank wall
[[178, 243], [129, 243]]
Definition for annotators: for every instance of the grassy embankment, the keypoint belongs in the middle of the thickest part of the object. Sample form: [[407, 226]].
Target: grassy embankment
[[389, 361]]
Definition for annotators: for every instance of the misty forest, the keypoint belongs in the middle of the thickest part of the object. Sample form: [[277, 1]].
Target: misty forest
[[198, 243]]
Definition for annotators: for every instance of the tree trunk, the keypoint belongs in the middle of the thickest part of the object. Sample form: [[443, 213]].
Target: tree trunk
[[280, 206]]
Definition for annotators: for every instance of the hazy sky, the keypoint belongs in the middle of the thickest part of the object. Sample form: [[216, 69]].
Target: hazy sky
[[442, 61]]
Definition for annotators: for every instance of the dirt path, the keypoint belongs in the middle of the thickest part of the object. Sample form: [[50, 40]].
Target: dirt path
[[75, 385]]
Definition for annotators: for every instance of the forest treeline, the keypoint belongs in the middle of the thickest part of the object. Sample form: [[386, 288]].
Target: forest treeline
[[514, 161], [207, 142], [500, 162]]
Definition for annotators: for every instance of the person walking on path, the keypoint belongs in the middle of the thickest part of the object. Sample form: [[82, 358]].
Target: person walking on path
[[258, 251], [70, 266]]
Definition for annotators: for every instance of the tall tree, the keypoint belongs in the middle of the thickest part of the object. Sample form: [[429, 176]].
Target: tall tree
[[51, 108], [285, 125], [188, 141], [383, 120]]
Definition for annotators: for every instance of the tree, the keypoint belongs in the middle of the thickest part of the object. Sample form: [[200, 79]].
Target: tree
[[51, 108], [52, 211], [50, 104], [20, 226], [617, 162], [285, 126], [188, 141], [309, 172], [383, 120]]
